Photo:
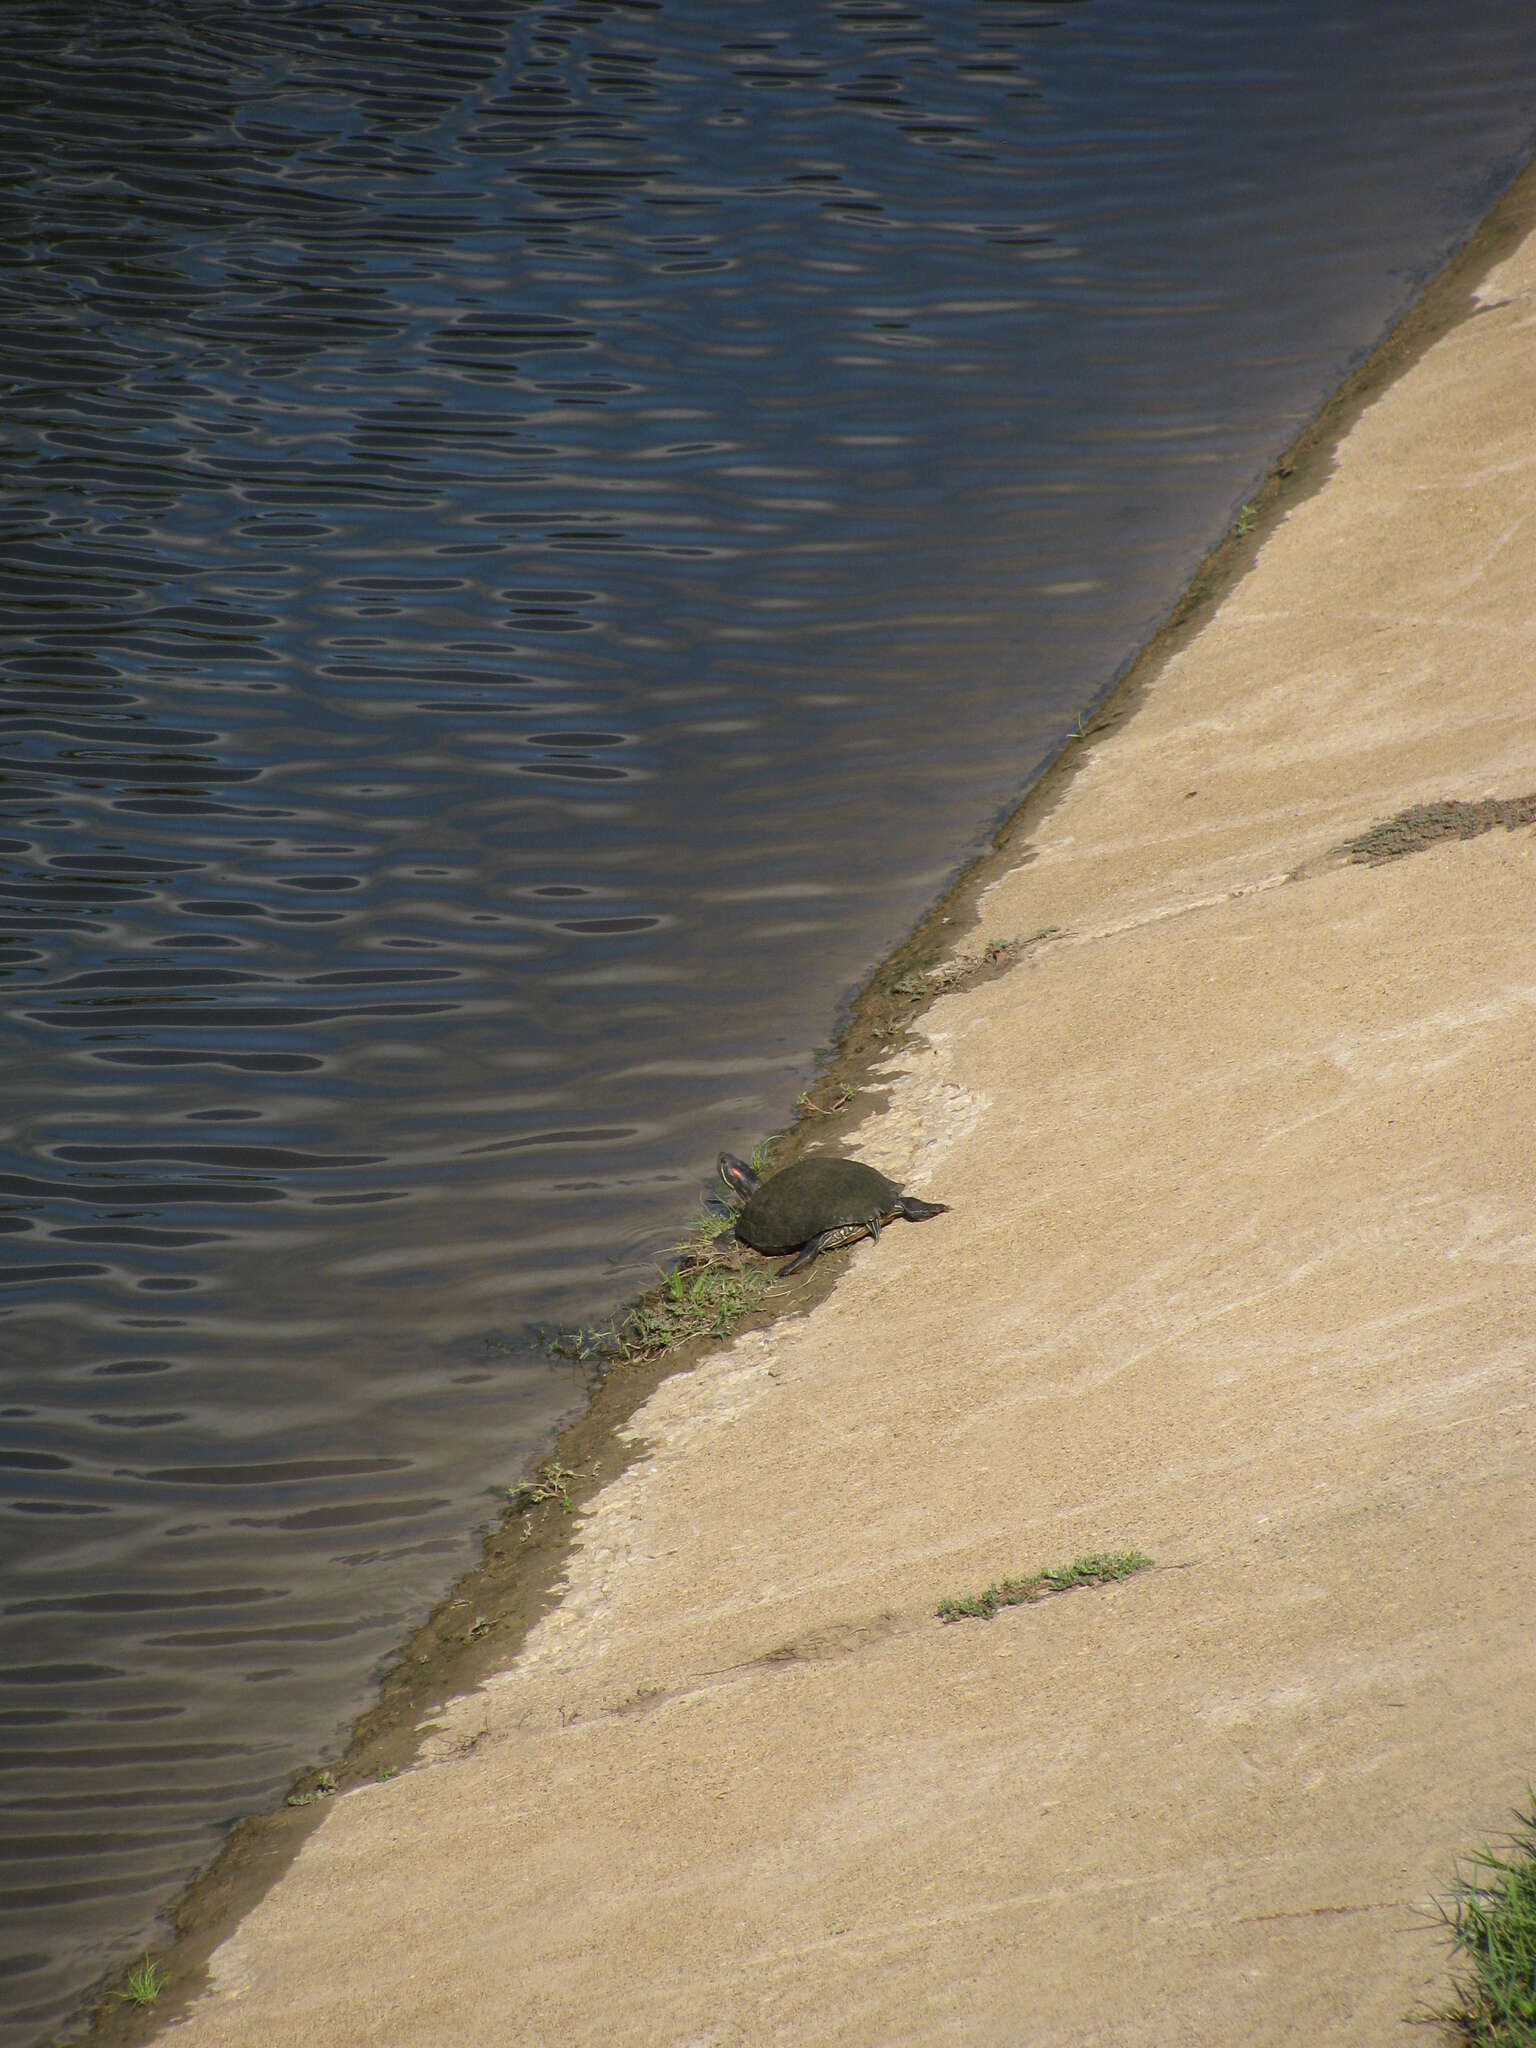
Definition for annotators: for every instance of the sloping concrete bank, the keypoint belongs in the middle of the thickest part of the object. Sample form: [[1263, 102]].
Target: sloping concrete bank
[[1239, 1270]]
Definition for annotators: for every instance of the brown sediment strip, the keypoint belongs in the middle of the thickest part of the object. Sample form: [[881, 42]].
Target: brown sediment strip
[[521, 1580]]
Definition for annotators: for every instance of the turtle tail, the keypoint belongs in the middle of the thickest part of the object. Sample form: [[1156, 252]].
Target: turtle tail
[[919, 1212]]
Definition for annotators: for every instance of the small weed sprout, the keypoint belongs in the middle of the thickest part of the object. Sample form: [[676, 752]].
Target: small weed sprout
[[584, 1346], [553, 1482], [1099, 1569], [146, 1981], [323, 1786], [808, 1107], [949, 974], [1247, 519]]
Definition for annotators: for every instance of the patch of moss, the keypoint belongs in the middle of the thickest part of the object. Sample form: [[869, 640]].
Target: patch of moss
[[1424, 824]]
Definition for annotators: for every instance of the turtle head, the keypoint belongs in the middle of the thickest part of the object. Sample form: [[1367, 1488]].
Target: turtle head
[[738, 1177]]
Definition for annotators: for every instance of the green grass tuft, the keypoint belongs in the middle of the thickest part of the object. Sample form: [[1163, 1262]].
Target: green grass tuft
[[1492, 1918], [705, 1295], [145, 1983], [1099, 1569], [695, 1301], [705, 1232]]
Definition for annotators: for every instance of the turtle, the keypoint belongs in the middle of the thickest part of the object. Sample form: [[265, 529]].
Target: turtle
[[816, 1205]]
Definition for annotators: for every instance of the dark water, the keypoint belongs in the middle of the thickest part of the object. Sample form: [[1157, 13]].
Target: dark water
[[535, 537]]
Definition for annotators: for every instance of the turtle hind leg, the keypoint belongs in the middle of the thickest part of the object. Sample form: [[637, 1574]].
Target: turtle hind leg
[[738, 1177], [919, 1212], [828, 1241]]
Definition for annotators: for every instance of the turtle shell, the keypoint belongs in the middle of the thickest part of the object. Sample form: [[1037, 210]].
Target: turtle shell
[[811, 1196]]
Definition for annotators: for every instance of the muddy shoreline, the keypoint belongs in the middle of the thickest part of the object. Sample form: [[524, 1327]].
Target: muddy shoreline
[[479, 1627]]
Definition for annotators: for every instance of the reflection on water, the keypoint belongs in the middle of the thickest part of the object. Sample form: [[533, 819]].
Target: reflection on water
[[535, 536]]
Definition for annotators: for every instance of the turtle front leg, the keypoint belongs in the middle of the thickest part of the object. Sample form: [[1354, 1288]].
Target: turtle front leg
[[809, 1252]]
